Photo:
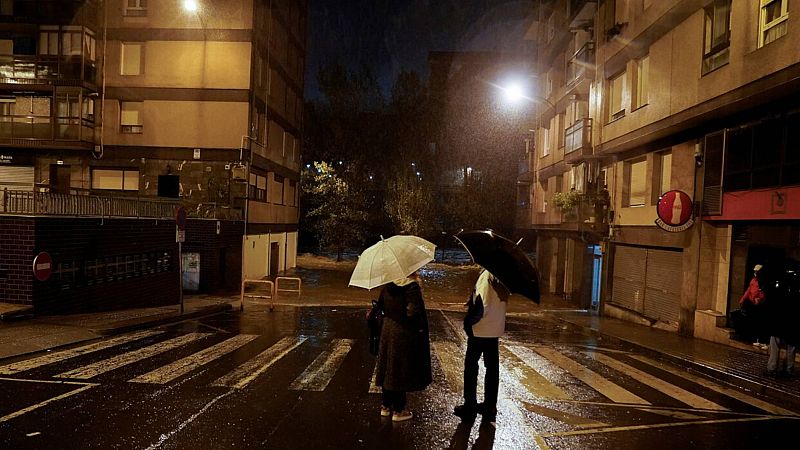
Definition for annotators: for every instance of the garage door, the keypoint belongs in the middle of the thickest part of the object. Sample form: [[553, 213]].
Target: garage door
[[648, 281], [16, 178]]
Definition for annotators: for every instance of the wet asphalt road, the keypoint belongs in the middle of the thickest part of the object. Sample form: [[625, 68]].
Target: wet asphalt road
[[300, 378]]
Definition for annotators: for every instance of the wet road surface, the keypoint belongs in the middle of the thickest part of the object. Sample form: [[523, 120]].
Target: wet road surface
[[301, 378]]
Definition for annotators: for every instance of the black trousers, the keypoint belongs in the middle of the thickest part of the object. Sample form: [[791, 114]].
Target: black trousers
[[489, 348], [394, 400]]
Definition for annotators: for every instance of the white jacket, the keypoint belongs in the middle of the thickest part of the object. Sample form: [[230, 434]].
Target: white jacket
[[493, 322]]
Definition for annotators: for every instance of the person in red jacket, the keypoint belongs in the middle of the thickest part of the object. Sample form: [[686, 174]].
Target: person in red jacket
[[751, 299]]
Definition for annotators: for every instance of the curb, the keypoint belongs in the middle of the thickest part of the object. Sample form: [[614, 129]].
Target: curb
[[163, 319]]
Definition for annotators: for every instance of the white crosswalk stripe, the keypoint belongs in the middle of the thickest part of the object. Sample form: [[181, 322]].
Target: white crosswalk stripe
[[249, 371], [28, 364], [107, 365], [177, 369], [317, 376]]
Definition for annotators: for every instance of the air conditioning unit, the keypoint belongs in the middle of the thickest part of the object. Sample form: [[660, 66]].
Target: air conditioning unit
[[239, 172]]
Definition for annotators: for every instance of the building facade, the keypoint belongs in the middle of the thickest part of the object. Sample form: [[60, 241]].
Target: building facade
[[695, 96], [194, 101]]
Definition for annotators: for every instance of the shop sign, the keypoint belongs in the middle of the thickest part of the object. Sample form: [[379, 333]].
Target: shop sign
[[675, 211], [13, 159]]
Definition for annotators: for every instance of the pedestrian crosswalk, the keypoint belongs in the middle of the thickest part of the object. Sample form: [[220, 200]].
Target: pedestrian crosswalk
[[546, 373]]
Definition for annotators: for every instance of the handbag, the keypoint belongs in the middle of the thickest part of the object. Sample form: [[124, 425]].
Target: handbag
[[375, 324]]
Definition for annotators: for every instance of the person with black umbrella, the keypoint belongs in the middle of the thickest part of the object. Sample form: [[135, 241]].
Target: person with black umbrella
[[484, 323]]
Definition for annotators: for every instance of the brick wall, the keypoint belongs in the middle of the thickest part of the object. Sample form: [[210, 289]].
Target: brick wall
[[16, 259], [220, 254]]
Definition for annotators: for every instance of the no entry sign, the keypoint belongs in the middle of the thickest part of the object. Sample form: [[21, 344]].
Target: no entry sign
[[42, 266]]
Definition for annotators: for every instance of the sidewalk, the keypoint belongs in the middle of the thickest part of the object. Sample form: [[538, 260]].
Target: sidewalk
[[741, 366]]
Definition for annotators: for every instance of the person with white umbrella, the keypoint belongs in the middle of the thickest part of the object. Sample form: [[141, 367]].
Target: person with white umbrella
[[404, 354]]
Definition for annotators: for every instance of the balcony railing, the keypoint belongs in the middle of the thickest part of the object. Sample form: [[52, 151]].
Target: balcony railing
[[53, 204], [45, 69], [580, 63], [578, 140], [43, 128]]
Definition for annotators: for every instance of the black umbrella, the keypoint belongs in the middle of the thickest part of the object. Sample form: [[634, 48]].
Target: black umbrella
[[504, 259]]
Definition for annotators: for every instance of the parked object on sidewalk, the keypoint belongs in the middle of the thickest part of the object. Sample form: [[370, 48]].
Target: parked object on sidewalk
[[784, 312], [504, 259], [391, 259]]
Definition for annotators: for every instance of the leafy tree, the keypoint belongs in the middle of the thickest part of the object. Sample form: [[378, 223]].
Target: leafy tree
[[410, 205], [336, 209]]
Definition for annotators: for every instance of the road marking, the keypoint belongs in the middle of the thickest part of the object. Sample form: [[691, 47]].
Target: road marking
[[373, 387], [452, 361], [597, 382], [658, 384], [456, 331], [50, 358], [534, 382], [317, 376], [562, 416], [13, 415], [738, 395], [164, 436], [107, 365], [676, 414], [181, 367], [249, 371]]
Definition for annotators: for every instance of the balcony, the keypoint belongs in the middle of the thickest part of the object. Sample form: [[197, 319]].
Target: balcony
[[47, 70], [581, 13], [54, 204], [37, 130], [580, 65], [578, 141]]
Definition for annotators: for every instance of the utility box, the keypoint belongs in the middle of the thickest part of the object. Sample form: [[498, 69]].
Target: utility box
[[191, 272]]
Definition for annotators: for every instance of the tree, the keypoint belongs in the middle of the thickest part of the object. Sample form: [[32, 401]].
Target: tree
[[409, 204], [336, 209]]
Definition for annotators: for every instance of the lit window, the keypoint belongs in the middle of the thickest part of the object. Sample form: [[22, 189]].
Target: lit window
[[71, 40], [48, 40], [615, 86], [773, 20], [635, 174], [115, 179], [136, 8], [131, 59], [717, 35], [642, 80], [131, 117], [663, 172], [545, 141]]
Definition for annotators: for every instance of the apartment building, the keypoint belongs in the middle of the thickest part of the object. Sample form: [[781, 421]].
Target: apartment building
[[199, 101], [700, 97]]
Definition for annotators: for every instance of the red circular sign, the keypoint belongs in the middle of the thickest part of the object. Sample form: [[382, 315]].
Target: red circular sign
[[675, 208], [42, 266]]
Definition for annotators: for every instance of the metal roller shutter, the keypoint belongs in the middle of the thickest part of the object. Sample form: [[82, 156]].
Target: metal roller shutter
[[629, 277], [663, 285], [16, 178]]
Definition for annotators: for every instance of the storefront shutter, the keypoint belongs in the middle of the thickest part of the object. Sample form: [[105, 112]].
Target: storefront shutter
[[662, 297], [16, 178], [629, 277]]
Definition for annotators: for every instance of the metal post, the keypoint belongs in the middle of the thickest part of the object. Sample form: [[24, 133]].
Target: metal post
[[180, 274]]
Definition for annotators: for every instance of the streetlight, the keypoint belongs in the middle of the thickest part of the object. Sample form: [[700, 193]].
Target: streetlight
[[191, 5]]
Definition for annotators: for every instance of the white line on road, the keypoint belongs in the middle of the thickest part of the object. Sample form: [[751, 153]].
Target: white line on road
[[164, 436], [249, 371], [451, 358], [317, 376], [107, 365], [177, 369], [46, 402], [373, 387], [533, 381], [768, 407], [597, 382], [50, 358], [680, 394]]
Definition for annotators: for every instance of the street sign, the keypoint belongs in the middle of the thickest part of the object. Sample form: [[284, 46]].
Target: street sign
[[42, 266], [180, 224]]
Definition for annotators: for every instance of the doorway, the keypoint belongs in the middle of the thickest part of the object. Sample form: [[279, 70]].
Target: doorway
[[597, 273], [59, 178], [274, 259]]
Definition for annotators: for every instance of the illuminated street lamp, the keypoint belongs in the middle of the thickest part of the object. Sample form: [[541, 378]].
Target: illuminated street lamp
[[191, 5]]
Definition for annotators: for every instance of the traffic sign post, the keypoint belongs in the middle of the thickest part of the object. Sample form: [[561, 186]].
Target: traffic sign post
[[180, 237], [42, 266]]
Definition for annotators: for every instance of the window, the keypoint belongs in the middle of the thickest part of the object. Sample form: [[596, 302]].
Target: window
[[545, 141], [278, 183], [258, 187], [6, 7], [641, 84], [717, 35], [116, 179], [48, 40], [71, 40], [773, 20], [136, 8], [131, 117], [615, 86], [7, 105], [635, 175], [663, 172], [131, 58]]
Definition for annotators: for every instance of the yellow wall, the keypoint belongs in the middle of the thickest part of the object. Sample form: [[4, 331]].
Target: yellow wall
[[221, 14]]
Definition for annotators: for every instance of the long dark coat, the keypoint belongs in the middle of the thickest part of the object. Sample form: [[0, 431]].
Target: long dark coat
[[404, 357]]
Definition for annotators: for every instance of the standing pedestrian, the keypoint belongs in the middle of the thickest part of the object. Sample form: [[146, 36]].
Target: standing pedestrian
[[750, 303], [484, 323], [784, 311], [404, 355]]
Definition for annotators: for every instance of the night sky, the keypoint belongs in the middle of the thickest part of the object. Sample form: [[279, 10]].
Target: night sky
[[395, 35]]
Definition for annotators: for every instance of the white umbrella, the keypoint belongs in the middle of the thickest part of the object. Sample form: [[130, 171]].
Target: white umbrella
[[391, 259]]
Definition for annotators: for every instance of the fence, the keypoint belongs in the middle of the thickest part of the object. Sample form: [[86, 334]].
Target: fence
[[50, 203], [269, 296]]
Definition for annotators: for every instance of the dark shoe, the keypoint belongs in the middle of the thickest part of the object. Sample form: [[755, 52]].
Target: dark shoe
[[487, 414], [465, 412], [786, 374], [772, 373]]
